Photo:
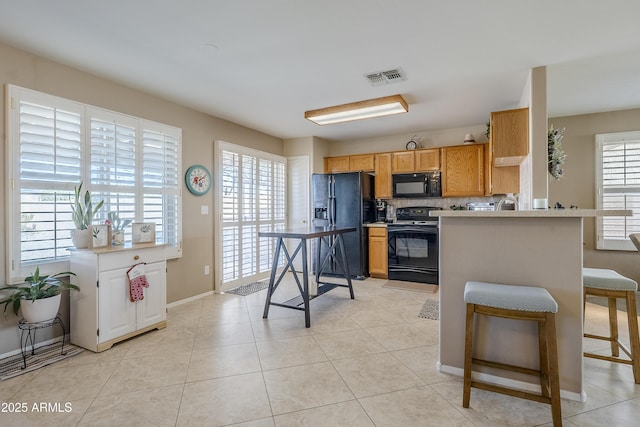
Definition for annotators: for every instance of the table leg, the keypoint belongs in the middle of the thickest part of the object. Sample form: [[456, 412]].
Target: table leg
[[274, 267], [305, 279], [345, 265]]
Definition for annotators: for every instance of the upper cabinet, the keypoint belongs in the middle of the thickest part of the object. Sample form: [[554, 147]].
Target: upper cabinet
[[336, 164], [428, 160], [403, 162], [416, 160], [359, 162], [463, 171], [383, 176], [499, 180], [509, 137]]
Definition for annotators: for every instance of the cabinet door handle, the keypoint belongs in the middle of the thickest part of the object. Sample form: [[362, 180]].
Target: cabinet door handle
[[136, 257]]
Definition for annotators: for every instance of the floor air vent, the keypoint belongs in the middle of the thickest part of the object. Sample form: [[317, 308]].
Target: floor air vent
[[382, 78]]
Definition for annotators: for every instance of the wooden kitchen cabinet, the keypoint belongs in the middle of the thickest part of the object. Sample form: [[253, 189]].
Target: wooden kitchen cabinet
[[500, 180], [403, 161], [361, 162], [102, 313], [378, 252], [509, 136], [383, 189], [336, 164], [463, 171], [427, 160]]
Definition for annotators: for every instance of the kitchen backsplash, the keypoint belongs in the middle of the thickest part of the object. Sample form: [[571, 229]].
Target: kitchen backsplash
[[444, 203]]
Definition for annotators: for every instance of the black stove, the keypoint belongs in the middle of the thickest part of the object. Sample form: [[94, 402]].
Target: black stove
[[413, 245]]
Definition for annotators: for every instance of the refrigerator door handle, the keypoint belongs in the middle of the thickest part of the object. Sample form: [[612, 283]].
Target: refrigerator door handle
[[332, 200], [332, 209]]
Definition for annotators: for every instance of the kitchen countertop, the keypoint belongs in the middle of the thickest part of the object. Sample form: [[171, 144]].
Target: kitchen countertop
[[376, 224], [536, 213]]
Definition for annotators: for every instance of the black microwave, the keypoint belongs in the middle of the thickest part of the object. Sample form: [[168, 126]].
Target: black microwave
[[416, 185]]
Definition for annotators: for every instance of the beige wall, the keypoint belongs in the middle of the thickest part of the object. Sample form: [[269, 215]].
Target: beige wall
[[577, 186], [429, 138], [185, 276]]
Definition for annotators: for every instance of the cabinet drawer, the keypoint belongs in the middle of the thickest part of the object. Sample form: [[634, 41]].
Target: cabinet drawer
[[377, 232], [126, 258]]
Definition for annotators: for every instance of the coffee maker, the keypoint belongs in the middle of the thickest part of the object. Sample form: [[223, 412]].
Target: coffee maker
[[381, 211]]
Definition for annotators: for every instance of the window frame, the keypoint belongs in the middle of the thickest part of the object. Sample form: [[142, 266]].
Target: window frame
[[603, 243], [17, 269]]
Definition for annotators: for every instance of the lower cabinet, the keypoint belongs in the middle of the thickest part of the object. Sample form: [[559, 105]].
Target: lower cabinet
[[102, 313], [378, 252]]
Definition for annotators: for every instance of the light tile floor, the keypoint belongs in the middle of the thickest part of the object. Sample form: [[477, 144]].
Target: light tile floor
[[364, 362]]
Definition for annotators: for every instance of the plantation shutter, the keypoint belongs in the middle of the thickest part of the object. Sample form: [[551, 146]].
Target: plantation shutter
[[618, 187], [48, 165], [253, 199], [113, 164], [161, 184]]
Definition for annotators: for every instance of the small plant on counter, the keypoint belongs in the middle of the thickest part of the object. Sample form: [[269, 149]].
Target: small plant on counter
[[83, 209], [117, 224]]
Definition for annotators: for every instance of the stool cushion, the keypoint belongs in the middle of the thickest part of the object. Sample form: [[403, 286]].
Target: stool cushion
[[511, 297], [601, 278]]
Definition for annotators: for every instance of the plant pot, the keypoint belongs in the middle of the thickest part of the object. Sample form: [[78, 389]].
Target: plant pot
[[40, 309], [81, 238], [117, 238]]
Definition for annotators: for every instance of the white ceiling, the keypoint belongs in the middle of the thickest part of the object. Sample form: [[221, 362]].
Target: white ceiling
[[262, 63]]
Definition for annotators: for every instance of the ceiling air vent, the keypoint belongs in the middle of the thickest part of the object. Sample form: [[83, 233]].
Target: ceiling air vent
[[382, 78]]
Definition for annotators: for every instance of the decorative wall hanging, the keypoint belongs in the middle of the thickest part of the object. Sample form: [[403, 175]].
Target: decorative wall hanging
[[556, 153]]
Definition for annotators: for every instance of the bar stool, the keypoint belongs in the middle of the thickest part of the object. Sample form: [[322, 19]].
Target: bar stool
[[520, 303], [612, 285]]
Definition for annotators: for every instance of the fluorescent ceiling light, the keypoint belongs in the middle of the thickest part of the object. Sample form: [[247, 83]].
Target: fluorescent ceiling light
[[358, 110]]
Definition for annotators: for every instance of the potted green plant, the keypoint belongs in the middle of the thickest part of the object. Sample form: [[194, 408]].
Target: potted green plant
[[39, 297], [83, 212], [117, 227]]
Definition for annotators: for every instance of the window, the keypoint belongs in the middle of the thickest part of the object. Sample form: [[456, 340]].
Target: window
[[252, 199], [617, 187], [53, 145]]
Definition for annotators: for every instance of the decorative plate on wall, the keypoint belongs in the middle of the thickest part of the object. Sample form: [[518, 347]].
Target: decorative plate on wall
[[198, 180]]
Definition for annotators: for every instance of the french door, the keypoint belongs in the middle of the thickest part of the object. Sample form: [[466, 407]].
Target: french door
[[251, 197]]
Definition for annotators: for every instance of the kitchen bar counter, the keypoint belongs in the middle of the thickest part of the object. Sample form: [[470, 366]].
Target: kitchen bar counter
[[536, 213], [536, 248]]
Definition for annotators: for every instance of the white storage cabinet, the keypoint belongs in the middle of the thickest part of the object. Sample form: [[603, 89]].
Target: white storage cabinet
[[102, 313]]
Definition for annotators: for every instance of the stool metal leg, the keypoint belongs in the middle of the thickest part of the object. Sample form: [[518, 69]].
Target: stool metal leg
[[468, 356]]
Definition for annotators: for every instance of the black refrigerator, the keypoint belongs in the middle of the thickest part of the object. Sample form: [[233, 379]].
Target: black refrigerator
[[345, 200]]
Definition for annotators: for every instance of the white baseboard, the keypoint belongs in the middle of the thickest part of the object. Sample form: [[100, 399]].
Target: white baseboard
[[190, 299], [506, 382]]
